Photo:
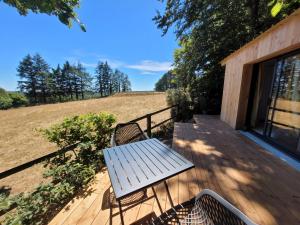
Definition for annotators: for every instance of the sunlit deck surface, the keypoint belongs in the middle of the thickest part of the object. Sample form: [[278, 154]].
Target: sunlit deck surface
[[262, 186]]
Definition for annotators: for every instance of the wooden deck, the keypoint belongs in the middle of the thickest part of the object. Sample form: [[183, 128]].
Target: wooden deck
[[260, 185]]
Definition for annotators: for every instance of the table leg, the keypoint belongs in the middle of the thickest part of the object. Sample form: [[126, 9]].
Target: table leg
[[159, 206], [121, 212], [168, 193], [171, 201]]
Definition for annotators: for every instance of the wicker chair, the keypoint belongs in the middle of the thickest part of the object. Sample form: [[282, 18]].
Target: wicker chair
[[208, 208], [127, 133]]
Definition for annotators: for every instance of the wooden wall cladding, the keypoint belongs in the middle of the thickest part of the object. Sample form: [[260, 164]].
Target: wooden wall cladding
[[279, 39]]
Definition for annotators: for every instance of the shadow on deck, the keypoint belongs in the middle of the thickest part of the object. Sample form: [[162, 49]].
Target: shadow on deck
[[262, 186]]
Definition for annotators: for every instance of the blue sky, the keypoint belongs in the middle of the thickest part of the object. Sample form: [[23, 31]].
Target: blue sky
[[120, 32]]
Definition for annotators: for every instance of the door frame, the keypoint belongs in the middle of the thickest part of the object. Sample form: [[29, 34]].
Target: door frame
[[255, 76]]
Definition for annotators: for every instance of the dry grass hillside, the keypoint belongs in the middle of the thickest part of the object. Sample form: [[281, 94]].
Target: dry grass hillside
[[20, 141]]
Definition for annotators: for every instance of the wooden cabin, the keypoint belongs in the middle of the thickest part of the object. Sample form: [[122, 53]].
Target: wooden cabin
[[262, 86]]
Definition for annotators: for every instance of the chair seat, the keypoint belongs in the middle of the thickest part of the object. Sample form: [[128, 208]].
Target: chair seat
[[207, 208]]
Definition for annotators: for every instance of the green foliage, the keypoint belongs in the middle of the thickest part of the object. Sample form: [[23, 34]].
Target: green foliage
[[167, 81], [67, 174], [71, 82], [73, 172], [5, 202], [11, 99], [18, 99], [182, 98], [63, 9], [5, 102], [109, 82], [208, 31], [91, 129], [165, 131]]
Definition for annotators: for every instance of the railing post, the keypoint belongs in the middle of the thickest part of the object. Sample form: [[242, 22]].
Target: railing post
[[149, 125]]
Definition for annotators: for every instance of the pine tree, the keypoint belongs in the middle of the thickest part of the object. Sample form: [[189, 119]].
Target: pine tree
[[67, 75], [126, 85], [107, 73], [28, 82], [84, 79], [116, 81], [56, 83], [99, 78], [41, 71]]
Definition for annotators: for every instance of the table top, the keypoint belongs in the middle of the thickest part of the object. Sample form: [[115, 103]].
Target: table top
[[136, 166]]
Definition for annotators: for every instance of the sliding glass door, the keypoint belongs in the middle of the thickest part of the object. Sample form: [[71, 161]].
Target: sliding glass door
[[275, 103]]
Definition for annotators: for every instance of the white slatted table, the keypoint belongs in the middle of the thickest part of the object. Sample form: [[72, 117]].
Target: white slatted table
[[140, 165]]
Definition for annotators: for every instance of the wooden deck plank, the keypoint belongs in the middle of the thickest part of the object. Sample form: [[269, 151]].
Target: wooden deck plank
[[255, 172], [262, 186], [81, 209]]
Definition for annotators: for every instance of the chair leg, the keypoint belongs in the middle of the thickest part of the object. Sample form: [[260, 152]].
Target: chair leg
[[121, 212], [159, 206]]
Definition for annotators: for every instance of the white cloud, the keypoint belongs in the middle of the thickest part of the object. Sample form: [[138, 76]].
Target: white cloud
[[91, 59], [151, 66], [148, 73]]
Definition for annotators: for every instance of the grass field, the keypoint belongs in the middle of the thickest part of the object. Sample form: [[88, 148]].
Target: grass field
[[20, 142]]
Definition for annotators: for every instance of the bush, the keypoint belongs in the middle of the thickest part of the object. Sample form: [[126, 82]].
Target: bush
[[5, 102], [67, 175], [18, 99], [180, 97], [12, 99], [92, 129]]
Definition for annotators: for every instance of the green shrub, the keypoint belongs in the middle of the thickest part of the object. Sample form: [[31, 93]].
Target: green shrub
[[92, 129], [67, 175], [180, 97], [5, 102], [18, 99], [11, 99], [74, 173]]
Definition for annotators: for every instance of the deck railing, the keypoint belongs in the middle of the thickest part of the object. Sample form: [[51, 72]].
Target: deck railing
[[149, 129], [148, 118]]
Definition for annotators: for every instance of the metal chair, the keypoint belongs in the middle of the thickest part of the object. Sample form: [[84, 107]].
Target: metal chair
[[127, 133], [208, 208]]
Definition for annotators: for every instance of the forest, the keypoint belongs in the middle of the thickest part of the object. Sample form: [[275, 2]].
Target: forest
[[40, 84]]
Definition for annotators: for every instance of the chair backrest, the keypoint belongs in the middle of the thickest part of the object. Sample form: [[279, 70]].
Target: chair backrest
[[220, 211], [127, 133]]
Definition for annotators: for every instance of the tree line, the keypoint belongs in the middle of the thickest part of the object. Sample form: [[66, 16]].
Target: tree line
[[207, 32], [43, 84]]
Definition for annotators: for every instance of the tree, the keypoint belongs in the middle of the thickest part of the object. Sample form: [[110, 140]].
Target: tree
[[40, 69], [67, 74], [116, 81], [125, 83], [57, 83], [167, 81], [28, 82], [99, 78], [103, 79], [208, 31], [63, 9], [84, 79]]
